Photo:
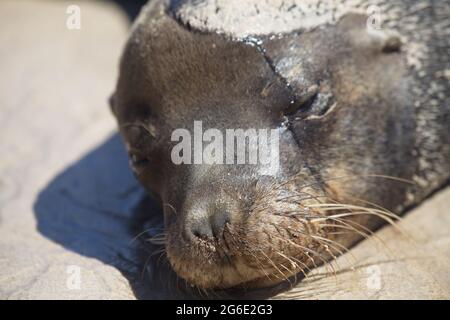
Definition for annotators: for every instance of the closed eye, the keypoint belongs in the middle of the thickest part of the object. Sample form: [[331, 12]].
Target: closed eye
[[317, 102], [137, 160], [150, 129], [304, 102], [140, 141]]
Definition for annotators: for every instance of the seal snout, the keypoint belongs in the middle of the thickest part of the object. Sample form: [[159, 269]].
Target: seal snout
[[223, 238]]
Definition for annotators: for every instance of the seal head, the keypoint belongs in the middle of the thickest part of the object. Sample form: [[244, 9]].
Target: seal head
[[339, 97]]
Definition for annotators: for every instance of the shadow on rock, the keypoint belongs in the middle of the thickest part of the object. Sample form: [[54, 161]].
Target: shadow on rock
[[96, 208]]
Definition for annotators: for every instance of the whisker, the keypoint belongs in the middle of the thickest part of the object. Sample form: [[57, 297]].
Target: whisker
[[141, 234], [273, 264], [171, 207], [298, 261], [386, 216], [360, 176], [308, 250], [370, 232], [159, 239]]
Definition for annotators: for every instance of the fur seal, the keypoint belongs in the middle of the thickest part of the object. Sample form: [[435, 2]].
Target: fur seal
[[362, 113]]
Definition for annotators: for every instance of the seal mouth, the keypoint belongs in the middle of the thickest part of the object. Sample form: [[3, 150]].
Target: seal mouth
[[267, 247]]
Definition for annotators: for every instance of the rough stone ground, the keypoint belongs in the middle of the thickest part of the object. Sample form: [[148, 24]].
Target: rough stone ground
[[66, 194]]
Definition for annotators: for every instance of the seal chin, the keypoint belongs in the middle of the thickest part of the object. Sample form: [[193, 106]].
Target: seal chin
[[208, 275], [207, 262]]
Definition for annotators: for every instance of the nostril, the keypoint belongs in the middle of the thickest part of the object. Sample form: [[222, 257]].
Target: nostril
[[210, 228], [201, 229], [218, 222]]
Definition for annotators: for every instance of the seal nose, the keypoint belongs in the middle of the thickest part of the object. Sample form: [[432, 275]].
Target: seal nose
[[210, 227]]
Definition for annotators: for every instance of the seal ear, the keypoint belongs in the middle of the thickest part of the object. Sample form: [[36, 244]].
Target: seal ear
[[112, 105]]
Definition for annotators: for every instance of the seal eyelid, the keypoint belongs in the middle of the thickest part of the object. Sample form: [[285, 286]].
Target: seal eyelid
[[137, 160], [304, 102], [150, 129]]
